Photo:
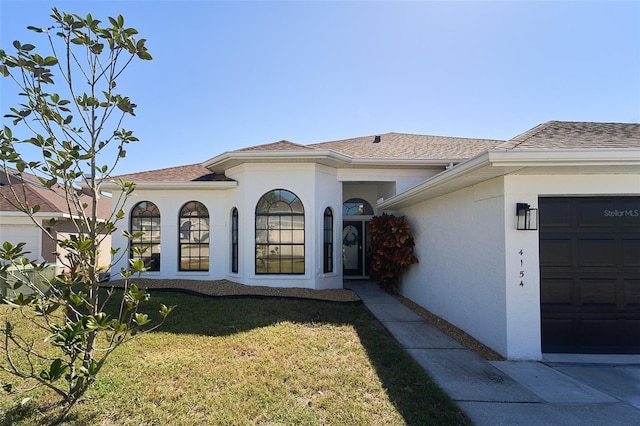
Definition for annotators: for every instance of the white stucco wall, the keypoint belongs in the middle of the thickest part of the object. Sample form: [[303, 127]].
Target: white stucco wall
[[460, 246], [317, 188], [399, 179], [20, 229], [169, 203]]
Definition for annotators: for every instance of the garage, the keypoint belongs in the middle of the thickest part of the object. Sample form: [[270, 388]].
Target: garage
[[590, 274]]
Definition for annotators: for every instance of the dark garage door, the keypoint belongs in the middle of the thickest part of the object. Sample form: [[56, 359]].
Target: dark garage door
[[590, 274]]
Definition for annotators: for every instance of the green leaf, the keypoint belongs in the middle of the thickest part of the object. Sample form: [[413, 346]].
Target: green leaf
[[141, 319], [166, 310], [50, 60], [144, 55]]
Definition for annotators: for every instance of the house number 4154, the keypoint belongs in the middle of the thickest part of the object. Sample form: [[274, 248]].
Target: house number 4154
[[521, 273]]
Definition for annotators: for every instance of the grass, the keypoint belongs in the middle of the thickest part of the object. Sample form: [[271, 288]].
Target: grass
[[244, 361]]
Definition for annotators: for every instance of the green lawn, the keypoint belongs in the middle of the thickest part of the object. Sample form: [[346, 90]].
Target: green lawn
[[254, 361]]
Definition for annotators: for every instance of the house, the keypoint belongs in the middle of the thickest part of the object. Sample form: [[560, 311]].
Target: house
[[290, 215], [18, 190]]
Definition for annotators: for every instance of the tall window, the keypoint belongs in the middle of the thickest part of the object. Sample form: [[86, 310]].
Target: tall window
[[194, 237], [328, 241], [234, 240], [279, 233], [145, 217]]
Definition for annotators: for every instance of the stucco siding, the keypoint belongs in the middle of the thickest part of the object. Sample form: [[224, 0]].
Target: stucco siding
[[22, 230], [460, 246]]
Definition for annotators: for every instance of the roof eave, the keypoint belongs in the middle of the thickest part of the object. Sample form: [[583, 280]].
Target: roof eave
[[223, 162], [495, 163]]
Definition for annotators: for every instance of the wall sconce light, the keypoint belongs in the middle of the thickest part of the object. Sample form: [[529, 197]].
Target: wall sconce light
[[526, 217]]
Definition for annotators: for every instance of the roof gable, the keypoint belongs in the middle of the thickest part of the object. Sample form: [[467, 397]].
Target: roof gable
[[276, 146]]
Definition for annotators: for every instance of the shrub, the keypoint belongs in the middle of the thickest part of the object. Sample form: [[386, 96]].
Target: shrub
[[391, 250]]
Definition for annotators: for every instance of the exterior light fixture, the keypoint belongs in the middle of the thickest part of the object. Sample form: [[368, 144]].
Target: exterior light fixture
[[526, 217]]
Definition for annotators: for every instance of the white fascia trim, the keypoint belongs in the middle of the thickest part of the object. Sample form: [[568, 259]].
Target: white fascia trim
[[243, 156], [43, 215], [513, 160], [326, 157], [566, 157], [395, 162]]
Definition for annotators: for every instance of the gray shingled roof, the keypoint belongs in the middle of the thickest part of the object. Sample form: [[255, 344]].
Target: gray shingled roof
[[574, 135], [409, 146], [188, 173], [392, 146], [276, 146], [400, 146]]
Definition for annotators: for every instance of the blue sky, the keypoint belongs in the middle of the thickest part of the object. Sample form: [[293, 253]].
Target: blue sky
[[227, 75]]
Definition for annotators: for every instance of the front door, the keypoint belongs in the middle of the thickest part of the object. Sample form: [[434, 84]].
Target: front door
[[353, 252], [354, 248]]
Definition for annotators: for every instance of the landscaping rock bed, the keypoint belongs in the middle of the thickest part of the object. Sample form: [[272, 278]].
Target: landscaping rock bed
[[229, 288]]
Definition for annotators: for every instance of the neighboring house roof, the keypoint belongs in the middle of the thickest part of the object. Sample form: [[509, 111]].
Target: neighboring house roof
[[409, 146], [188, 173], [31, 192], [576, 135]]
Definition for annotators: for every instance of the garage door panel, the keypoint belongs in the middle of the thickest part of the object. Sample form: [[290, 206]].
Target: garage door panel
[[556, 214], [557, 252], [631, 252], [600, 332], [591, 212], [596, 252], [558, 332], [632, 294], [590, 274], [597, 294], [632, 332], [558, 294]]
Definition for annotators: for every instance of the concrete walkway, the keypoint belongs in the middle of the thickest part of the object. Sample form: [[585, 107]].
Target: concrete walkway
[[557, 391]]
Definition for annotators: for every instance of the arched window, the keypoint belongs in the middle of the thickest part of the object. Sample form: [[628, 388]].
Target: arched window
[[279, 233], [145, 217], [327, 258], [356, 207], [234, 240], [193, 226]]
